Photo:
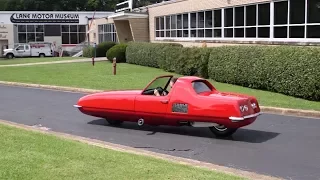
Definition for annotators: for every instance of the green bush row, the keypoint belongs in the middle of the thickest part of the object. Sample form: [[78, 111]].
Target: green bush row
[[101, 49], [170, 57], [148, 54], [289, 70]]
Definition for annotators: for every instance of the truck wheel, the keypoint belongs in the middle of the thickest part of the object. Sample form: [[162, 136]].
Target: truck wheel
[[9, 56], [222, 131], [41, 55]]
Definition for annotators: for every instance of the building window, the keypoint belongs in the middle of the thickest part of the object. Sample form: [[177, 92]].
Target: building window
[[30, 33], [285, 20], [73, 34], [175, 26], [107, 32]]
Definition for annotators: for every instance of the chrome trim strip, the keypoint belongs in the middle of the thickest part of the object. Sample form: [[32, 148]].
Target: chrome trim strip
[[77, 106], [245, 117]]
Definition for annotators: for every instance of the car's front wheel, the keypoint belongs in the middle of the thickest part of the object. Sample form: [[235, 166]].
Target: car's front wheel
[[222, 131], [10, 56], [114, 122]]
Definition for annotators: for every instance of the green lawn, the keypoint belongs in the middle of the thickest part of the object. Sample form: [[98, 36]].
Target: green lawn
[[4, 61], [32, 155], [128, 77]]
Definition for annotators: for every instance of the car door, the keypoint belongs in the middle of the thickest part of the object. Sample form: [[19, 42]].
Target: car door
[[20, 51], [27, 51], [151, 108]]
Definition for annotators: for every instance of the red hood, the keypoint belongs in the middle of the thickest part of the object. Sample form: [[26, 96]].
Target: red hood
[[121, 92], [112, 93]]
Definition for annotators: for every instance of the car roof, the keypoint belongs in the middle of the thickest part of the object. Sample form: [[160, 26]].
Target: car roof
[[189, 78]]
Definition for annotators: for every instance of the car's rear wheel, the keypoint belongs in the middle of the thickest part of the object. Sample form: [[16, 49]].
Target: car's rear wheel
[[114, 122], [222, 131]]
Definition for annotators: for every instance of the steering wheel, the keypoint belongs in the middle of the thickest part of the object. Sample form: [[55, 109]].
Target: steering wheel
[[160, 90]]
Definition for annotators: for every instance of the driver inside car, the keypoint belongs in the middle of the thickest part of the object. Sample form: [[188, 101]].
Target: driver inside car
[[164, 93]]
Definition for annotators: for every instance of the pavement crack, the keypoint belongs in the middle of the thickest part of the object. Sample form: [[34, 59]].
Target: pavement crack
[[163, 149]]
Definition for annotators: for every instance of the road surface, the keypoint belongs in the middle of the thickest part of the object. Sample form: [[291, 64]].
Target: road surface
[[281, 146]]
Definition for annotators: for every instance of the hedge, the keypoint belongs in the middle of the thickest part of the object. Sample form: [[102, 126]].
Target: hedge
[[118, 51], [170, 57], [101, 49], [88, 52], [290, 70], [189, 61], [147, 54]]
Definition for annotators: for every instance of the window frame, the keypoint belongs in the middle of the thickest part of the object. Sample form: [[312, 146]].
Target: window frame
[[270, 30], [34, 32], [76, 33], [107, 32]]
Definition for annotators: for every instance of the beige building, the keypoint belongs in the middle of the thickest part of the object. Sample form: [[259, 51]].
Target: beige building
[[121, 27], [216, 22], [64, 29], [6, 37]]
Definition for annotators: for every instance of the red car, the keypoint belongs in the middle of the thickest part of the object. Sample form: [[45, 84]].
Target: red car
[[191, 101]]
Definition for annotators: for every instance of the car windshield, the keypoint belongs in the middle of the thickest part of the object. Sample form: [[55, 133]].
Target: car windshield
[[160, 82]]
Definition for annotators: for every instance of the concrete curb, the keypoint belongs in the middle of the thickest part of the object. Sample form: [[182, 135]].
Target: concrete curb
[[55, 62], [51, 87], [264, 109], [126, 149], [291, 112]]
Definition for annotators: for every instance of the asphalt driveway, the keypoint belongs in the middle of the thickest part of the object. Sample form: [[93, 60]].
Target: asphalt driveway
[[282, 146]]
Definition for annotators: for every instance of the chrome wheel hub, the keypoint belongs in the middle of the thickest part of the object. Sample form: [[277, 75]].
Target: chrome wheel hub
[[220, 128]]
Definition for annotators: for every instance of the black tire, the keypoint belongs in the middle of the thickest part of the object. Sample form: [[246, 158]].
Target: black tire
[[114, 122], [41, 55], [10, 56], [222, 131]]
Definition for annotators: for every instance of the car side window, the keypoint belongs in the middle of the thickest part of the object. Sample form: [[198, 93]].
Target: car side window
[[26, 47], [20, 48], [200, 87]]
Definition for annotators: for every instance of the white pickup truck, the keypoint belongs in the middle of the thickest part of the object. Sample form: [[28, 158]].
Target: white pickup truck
[[38, 49]]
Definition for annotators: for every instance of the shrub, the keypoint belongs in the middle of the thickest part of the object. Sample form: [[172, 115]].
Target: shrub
[[118, 51], [103, 47], [189, 61], [88, 52], [170, 57], [147, 54], [288, 70]]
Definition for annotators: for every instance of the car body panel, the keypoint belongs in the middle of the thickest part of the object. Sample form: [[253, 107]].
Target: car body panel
[[151, 108], [183, 103]]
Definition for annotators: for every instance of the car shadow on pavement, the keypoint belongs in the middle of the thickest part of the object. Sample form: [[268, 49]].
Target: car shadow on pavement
[[242, 134]]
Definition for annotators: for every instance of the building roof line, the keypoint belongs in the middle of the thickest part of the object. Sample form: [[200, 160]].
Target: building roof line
[[164, 3], [71, 12]]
